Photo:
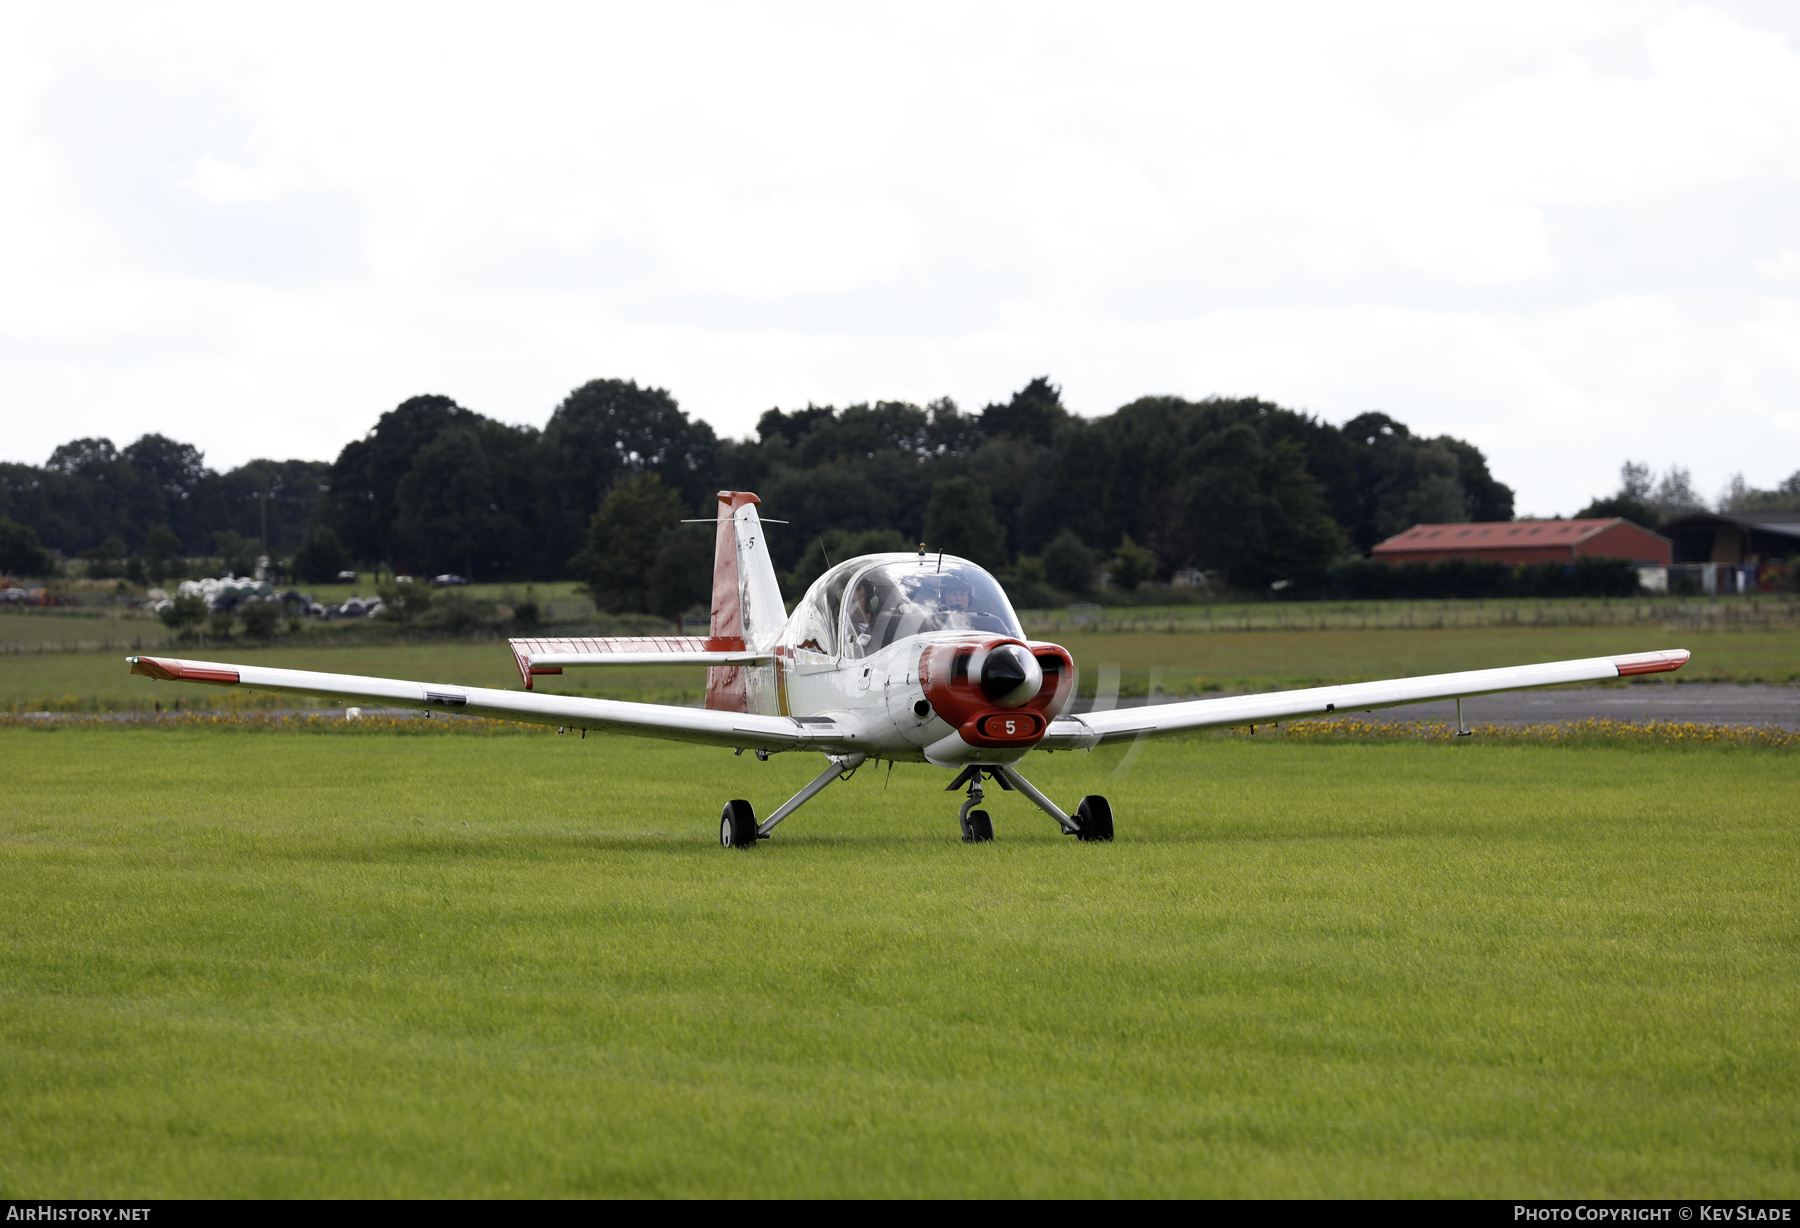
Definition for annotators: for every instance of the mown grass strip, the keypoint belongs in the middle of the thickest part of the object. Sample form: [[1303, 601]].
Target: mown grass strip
[[466, 965]]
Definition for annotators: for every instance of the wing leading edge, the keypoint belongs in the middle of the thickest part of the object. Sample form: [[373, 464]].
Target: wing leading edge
[[1097, 728], [713, 728]]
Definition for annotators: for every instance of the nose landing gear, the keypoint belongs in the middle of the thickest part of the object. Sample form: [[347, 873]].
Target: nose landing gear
[[977, 825], [1092, 821]]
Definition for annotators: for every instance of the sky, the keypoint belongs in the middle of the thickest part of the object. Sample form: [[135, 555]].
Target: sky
[[1567, 232]]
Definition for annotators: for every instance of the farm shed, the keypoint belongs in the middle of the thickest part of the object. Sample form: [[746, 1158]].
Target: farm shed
[[1526, 541], [1735, 537]]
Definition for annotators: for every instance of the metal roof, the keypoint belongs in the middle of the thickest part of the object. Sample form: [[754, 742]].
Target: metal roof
[[1784, 524], [1501, 534]]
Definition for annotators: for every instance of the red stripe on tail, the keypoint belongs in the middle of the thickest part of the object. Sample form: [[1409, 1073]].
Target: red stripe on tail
[[727, 689]]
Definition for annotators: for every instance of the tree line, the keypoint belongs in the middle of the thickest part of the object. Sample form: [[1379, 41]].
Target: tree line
[[1244, 490], [1646, 499]]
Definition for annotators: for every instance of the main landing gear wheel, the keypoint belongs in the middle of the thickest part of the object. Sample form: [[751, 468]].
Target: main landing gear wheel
[[1094, 816], [978, 827], [737, 825]]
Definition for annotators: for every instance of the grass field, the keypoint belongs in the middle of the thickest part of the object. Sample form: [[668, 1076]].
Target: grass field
[[1188, 663], [258, 964]]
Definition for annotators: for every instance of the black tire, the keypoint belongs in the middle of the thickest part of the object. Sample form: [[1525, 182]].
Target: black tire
[[1094, 817], [979, 828], [737, 825]]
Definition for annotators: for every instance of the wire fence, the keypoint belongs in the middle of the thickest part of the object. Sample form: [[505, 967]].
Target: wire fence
[[1760, 612], [1748, 613]]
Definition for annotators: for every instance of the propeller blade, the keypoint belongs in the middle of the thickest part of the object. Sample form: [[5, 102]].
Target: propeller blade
[[1136, 748]]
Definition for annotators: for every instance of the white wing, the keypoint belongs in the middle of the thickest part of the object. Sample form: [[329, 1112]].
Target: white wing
[[734, 729], [1079, 732]]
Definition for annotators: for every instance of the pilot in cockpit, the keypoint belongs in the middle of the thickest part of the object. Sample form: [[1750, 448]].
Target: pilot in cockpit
[[954, 613], [953, 595]]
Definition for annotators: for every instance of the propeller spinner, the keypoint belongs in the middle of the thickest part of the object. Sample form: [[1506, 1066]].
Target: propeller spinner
[[1011, 676]]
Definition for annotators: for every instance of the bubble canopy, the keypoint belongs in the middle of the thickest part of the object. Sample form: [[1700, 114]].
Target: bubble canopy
[[888, 601]]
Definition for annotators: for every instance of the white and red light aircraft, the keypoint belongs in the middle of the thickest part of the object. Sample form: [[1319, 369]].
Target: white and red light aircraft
[[903, 657]]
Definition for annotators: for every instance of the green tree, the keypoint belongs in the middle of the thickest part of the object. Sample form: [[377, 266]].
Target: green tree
[[624, 538], [604, 432], [835, 546], [237, 554], [1403, 480], [960, 520], [1302, 538], [1631, 501], [260, 619], [1437, 496], [183, 614], [1068, 564], [449, 515], [1033, 413], [1250, 511], [1740, 496], [107, 559], [21, 554], [682, 575], [1131, 566], [454, 611], [162, 552], [404, 603], [365, 478], [320, 557]]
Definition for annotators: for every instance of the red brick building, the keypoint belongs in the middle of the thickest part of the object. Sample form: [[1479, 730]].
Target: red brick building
[[1526, 541]]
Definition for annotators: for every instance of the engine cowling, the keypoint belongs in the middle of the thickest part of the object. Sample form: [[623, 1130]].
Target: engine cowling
[[1001, 693]]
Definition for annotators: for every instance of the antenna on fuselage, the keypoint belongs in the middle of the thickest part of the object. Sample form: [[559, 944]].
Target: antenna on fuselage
[[940, 562], [824, 551]]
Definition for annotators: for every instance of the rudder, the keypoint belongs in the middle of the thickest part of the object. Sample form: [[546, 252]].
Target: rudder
[[747, 609]]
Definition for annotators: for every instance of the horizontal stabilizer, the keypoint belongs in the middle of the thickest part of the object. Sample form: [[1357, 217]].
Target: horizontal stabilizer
[[553, 656]]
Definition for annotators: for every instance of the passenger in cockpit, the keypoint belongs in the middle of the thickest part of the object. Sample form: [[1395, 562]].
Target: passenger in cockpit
[[863, 603]]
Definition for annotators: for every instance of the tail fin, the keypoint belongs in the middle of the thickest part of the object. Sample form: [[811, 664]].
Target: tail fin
[[746, 603]]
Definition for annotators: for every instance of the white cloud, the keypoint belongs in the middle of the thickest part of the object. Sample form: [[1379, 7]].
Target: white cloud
[[1784, 267], [1558, 229]]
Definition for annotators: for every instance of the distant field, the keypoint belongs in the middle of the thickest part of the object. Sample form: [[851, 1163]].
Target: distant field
[[102, 682], [288, 964], [1765, 612], [1193, 662], [1235, 660], [106, 627], [560, 592]]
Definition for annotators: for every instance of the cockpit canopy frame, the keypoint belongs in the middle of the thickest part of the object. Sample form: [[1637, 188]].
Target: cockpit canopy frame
[[861, 606]]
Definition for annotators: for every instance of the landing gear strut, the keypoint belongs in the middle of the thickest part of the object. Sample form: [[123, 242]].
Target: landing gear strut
[[738, 828], [977, 825], [1093, 819]]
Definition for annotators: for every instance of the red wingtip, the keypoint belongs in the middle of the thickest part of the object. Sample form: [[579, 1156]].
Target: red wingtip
[[1651, 662], [167, 669], [150, 667]]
